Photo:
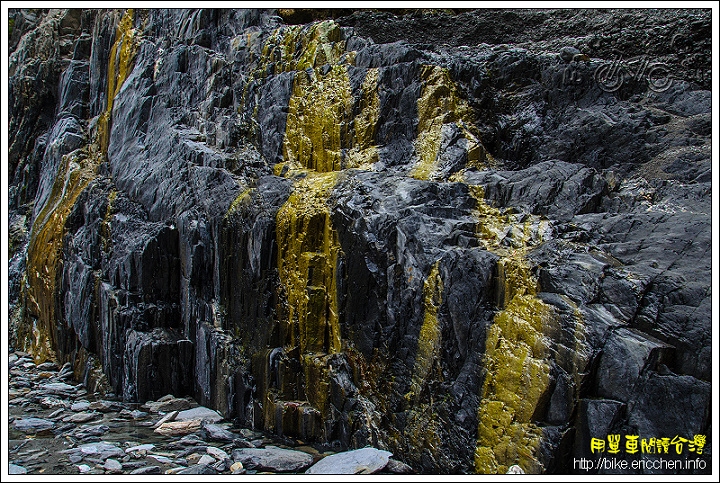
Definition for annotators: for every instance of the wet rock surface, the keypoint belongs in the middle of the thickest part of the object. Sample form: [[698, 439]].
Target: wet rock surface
[[446, 235]]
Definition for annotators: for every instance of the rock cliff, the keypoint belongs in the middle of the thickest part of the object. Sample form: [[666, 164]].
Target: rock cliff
[[473, 238]]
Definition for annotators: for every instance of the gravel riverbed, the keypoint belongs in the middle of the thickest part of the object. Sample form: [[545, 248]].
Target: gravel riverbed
[[58, 427]]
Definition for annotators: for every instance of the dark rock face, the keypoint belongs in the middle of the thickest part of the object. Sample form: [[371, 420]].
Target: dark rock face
[[472, 254]]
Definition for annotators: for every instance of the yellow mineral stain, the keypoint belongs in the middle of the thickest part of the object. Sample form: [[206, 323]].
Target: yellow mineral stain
[[299, 47], [308, 250], [120, 60], [439, 104], [516, 351], [327, 129], [242, 200], [318, 120], [75, 172], [364, 150]]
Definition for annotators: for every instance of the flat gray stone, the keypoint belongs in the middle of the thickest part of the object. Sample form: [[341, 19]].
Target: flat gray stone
[[172, 404], [200, 412], [160, 459], [104, 406], [218, 433], [32, 425], [363, 461], [191, 439], [272, 458], [147, 470], [80, 406], [140, 447], [102, 450], [82, 417], [16, 470], [47, 366], [59, 388], [198, 470], [398, 467]]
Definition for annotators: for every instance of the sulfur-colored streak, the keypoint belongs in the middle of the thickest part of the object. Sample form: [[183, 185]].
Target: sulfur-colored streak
[[516, 350], [298, 47], [242, 200], [327, 130], [318, 120], [518, 375], [308, 250], [120, 60], [429, 339], [364, 150], [75, 172], [438, 105]]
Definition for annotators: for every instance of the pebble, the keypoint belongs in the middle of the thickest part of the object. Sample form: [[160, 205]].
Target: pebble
[[47, 366], [86, 432], [52, 402], [206, 460], [194, 458], [113, 466], [398, 467], [106, 450], [218, 433], [236, 467], [147, 470], [515, 470], [198, 470], [169, 417], [80, 406], [75, 458], [56, 413], [83, 468], [82, 417], [140, 447], [160, 459], [104, 406], [190, 439], [217, 453], [175, 471]]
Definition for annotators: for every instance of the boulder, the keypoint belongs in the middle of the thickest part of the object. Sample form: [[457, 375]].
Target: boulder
[[363, 461]]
